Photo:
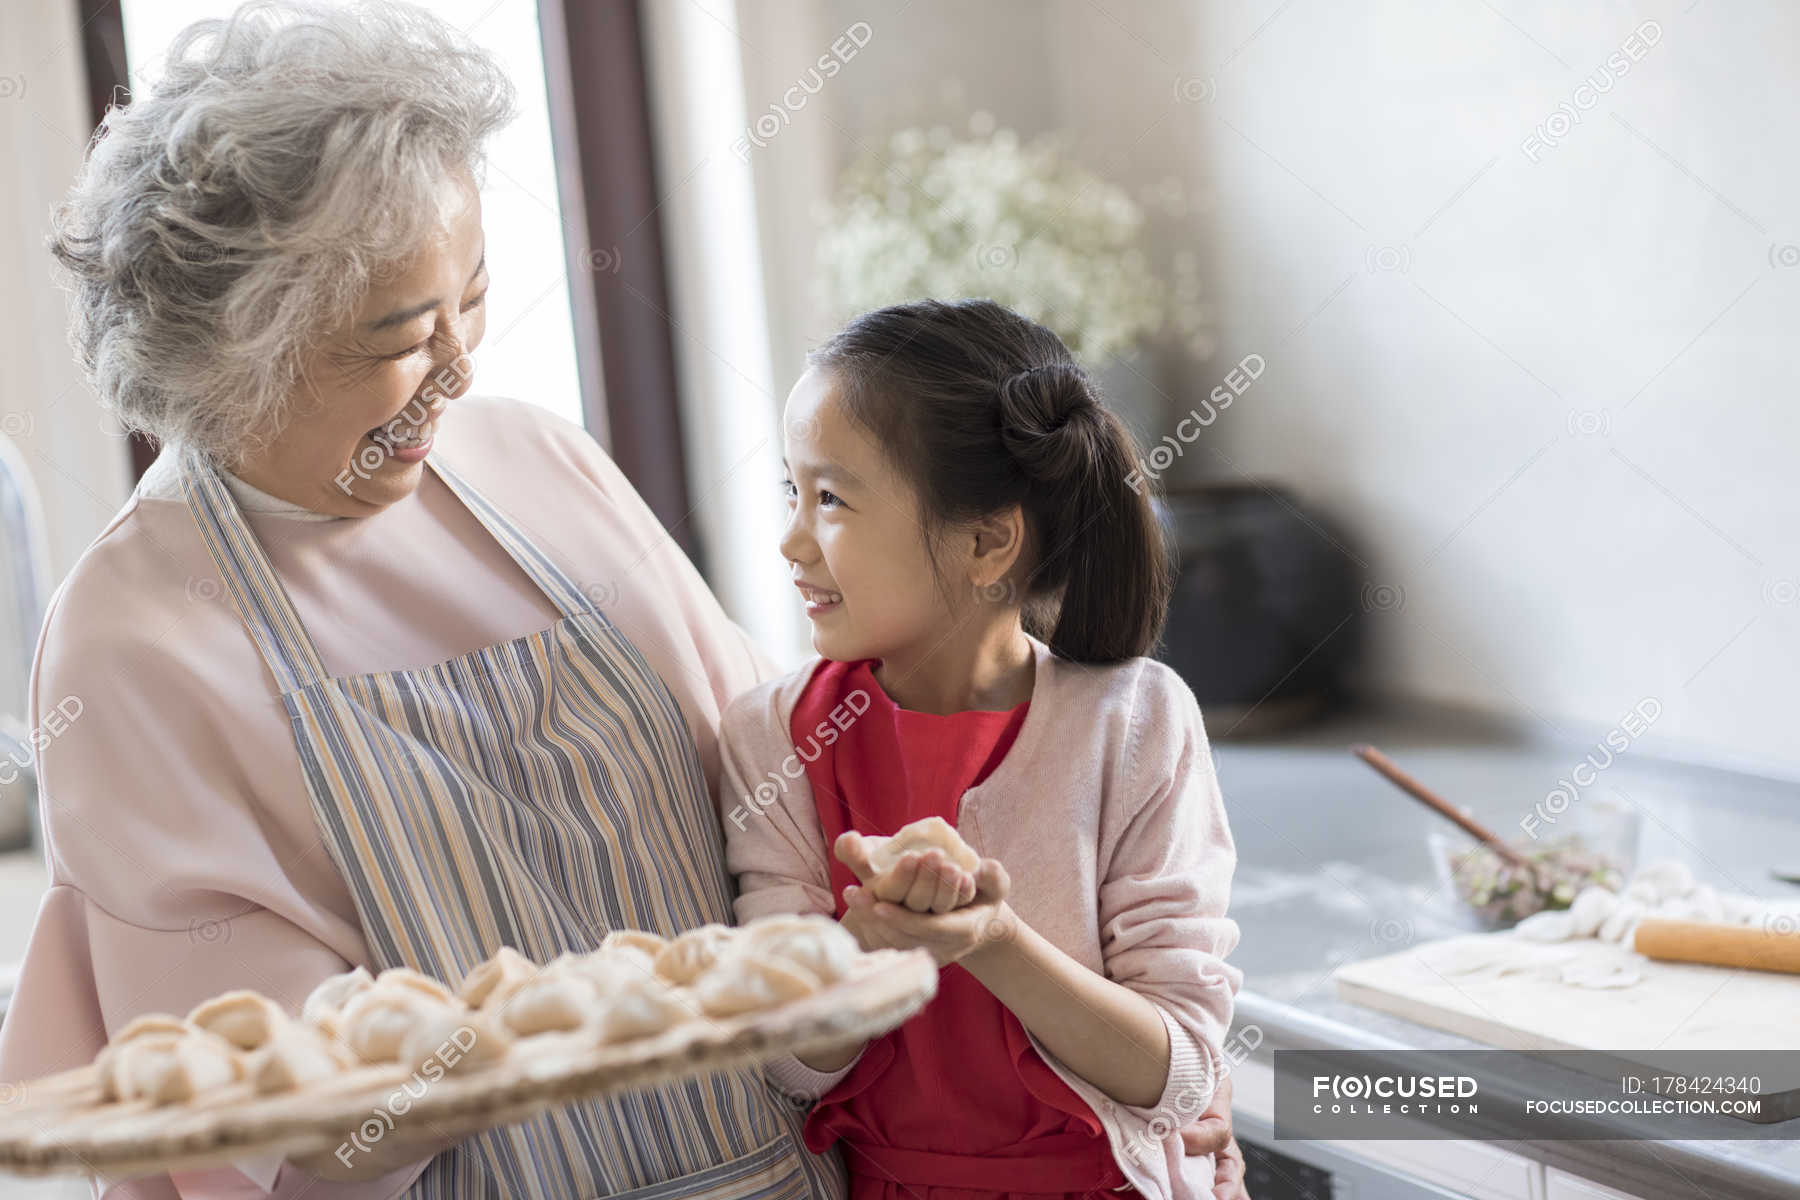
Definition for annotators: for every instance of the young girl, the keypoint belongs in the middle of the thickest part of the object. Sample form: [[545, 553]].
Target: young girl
[[983, 580]]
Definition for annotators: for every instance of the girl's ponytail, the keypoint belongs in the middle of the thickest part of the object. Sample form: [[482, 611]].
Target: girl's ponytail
[[983, 409], [1100, 546]]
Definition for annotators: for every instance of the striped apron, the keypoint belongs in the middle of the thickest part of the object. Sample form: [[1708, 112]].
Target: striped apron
[[534, 794]]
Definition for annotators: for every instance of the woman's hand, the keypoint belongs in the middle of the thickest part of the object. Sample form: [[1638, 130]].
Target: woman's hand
[[923, 881], [1211, 1134]]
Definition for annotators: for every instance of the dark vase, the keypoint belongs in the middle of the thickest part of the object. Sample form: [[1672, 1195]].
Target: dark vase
[[1265, 621]]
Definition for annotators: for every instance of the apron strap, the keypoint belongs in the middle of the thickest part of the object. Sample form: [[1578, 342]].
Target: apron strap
[[262, 602], [555, 583]]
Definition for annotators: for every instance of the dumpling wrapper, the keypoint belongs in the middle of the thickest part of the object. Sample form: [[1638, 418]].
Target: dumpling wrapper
[[746, 981], [930, 833], [1600, 974], [246, 1019], [298, 1055], [825, 949], [689, 954], [460, 1040], [325, 1002], [496, 978]]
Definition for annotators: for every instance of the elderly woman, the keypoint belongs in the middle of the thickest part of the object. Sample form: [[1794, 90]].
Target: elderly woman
[[371, 671]]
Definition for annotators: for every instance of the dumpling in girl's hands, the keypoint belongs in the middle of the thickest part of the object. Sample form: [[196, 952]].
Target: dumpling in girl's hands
[[750, 980], [689, 954], [825, 949], [245, 1019], [931, 833]]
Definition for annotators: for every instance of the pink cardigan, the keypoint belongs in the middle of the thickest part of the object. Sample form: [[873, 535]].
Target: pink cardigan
[[1106, 813]]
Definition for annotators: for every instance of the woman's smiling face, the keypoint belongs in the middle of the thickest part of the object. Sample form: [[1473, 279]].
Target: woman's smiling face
[[375, 387], [854, 540]]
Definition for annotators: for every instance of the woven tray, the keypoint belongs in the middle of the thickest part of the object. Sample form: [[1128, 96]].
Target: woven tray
[[59, 1124]]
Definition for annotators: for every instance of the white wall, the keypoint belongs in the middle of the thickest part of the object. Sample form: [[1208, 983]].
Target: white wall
[[1551, 397]]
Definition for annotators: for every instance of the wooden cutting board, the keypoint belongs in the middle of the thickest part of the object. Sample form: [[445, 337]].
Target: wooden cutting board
[[1520, 1003]]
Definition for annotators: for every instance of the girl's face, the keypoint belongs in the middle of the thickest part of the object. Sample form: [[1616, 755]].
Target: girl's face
[[855, 542]]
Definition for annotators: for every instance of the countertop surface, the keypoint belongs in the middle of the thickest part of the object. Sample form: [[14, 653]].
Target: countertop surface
[[1333, 868]]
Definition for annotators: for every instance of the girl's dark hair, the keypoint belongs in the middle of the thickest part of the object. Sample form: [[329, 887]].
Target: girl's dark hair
[[983, 409]]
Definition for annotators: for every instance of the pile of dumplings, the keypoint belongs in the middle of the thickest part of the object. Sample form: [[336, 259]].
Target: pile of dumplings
[[1665, 889], [633, 986]]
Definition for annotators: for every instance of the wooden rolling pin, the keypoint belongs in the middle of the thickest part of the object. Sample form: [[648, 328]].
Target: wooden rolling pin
[[1719, 945]]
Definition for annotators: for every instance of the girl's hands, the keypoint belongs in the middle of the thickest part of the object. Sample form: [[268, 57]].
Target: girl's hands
[[924, 881], [899, 911]]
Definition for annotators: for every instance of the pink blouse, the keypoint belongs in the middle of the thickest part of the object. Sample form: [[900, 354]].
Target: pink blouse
[[182, 849]]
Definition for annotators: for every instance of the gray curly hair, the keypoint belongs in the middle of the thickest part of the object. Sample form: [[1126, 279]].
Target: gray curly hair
[[288, 159]]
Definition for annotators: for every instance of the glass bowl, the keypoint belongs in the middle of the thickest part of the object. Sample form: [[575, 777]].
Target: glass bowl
[[1595, 842]]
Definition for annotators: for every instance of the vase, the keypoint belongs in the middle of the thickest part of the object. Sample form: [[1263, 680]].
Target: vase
[[1263, 624]]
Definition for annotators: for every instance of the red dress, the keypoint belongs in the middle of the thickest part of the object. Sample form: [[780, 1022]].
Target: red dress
[[955, 1104]]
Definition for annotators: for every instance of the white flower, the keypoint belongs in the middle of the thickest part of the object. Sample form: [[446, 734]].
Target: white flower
[[1020, 224]]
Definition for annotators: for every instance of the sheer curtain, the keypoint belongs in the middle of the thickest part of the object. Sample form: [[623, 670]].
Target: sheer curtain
[[735, 293]]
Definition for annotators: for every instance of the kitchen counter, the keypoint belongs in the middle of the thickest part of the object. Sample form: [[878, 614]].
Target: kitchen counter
[[1332, 868]]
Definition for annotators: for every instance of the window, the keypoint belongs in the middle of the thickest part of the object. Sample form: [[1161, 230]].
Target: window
[[529, 350]]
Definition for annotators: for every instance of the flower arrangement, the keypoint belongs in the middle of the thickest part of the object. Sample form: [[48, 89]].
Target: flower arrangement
[[1018, 223]]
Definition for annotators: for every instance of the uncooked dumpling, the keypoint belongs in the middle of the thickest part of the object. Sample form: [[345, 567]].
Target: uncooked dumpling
[[1622, 921], [685, 957], [375, 1023], [1593, 904], [931, 833], [1546, 926], [747, 981], [819, 944], [639, 1006], [552, 1002], [171, 1068], [245, 1019], [328, 999], [296, 1056], [496, 978], [634, 939], [461, 1041], [610, 966], [406, 977], [148, 1023]]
